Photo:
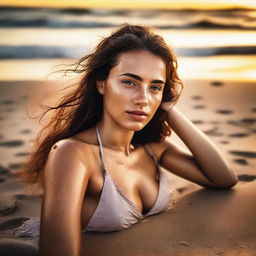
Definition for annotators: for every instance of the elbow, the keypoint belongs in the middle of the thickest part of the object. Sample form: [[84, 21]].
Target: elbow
[[229, 183], [233, 180]]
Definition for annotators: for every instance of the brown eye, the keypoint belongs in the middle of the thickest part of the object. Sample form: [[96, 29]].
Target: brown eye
[[129, 82], [156, 88]]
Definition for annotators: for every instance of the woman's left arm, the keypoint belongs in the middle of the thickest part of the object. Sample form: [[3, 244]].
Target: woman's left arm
[[205, 166]]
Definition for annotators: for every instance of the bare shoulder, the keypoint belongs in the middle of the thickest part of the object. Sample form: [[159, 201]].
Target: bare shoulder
[[72, 148], [159, 148], [69, 155]]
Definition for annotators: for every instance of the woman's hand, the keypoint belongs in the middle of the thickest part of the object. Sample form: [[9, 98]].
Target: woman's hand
[[167, 106]]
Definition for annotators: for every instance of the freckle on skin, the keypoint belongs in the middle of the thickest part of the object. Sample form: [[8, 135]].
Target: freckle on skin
[[55, 146]]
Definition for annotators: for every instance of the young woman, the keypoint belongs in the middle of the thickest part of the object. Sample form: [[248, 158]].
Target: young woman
[[98, 162]]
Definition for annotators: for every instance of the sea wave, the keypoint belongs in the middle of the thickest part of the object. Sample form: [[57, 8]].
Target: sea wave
[[97, 18], [212, 51], [52, 23], [36, 52], [55, 23], [208, 24]]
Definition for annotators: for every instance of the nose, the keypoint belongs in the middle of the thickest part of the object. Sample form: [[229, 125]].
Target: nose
[[141, 98]]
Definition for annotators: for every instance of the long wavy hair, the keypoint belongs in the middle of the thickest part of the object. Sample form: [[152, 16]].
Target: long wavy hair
[[82, 108]]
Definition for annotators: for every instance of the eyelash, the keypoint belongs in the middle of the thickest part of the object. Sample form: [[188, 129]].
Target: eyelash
[[157, 87], [129, 82]]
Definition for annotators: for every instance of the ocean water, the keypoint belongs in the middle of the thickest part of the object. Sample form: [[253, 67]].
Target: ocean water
[[209, 44]]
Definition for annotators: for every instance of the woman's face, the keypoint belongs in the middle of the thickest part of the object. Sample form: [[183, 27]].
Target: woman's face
[[133, 90]]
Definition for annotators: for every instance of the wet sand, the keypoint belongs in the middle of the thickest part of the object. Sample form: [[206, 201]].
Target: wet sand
[[203, 222]]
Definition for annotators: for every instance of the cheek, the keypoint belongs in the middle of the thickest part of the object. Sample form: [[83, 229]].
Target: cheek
[[156, 102], [115, 96]]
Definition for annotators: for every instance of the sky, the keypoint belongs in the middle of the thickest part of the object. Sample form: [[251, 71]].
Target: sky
[[159, 4]]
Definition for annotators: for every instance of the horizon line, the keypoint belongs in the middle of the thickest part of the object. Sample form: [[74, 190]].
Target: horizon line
[[127, 8]]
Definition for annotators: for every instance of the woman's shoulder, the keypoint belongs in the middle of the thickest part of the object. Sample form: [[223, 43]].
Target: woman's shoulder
[[83, 141], [158, 148], [69, 145], [73, 149], [67, 167]]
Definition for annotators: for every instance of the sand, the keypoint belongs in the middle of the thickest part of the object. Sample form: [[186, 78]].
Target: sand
[[203, 221]]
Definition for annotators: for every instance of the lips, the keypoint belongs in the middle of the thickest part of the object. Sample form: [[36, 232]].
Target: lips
[[138, 112], [137, 115]]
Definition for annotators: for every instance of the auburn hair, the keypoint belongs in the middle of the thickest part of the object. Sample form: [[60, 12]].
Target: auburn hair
[[82, 107]]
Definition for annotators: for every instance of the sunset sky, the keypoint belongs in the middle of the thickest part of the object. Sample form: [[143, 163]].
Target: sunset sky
[[166, 4]]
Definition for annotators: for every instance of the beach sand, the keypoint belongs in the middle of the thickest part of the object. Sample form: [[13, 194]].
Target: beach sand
[[202, 222]]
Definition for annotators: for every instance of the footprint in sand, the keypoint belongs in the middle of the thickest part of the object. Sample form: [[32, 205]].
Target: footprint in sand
[[25, 131], [15, 166], [246, 154], [12, 143], [224, 111], [3, 170], [12, 223], [197, 97], [217, 83], [8, 205], [213, 132], [197, 121], [22, 154], [214, 122], [253, 131], [182, 189], [216, 134], [17, 247], [246, 177], [239, 135], [248, 121], [241, 161], [243, 122], [199, 107], [24, 196], [7, 102], [6, 172], [232, 122], [224, 142]]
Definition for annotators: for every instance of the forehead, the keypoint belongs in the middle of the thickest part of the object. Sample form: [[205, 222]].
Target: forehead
[[141, 63]]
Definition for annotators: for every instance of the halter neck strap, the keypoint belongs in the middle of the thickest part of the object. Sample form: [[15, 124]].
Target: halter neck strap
[[100, 149], [149, 151]]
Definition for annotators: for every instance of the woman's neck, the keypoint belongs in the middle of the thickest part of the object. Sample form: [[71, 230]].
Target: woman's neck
[[115, 137]]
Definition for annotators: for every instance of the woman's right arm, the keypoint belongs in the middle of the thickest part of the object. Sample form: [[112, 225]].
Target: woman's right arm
[[65, 181]]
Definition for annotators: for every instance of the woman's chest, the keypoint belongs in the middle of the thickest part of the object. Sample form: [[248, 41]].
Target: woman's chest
[[138, 182]]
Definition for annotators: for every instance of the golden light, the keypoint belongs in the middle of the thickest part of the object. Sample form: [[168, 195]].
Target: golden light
[[132, 4]]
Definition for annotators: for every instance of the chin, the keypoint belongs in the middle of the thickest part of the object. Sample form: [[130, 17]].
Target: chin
[[135, 127]]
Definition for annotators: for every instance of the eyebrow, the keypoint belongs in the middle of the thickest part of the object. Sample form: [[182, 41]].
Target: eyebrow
[[141, 79]]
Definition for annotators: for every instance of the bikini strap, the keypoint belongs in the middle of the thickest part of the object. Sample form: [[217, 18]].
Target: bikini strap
[[101, 150], [149, 151]]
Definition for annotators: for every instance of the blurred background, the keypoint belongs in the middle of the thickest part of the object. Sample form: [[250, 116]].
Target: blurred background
[[215, 42], [212, 38]]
